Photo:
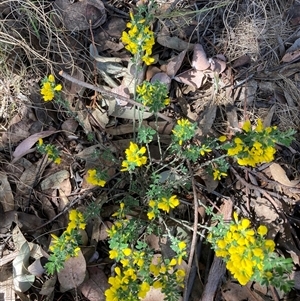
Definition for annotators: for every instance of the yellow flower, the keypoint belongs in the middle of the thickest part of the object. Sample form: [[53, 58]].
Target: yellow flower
[[47, 91], [134, 157], [166, 204], [49, 88], [148, 60], [57, 160], [113, 254], [222, 138], [262, 230], [260, 127], [151, 215], [217, 174], [247, 126], [143, 290], [94, 179], [181, 245], [270, 245], [126, 251]]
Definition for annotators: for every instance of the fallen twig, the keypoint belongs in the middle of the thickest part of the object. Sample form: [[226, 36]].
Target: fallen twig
[[194, 238], [109, 93]]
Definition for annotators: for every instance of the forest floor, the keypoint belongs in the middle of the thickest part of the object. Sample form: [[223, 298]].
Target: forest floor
[[145, 174]]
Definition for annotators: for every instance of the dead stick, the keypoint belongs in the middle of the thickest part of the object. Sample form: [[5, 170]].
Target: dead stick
[[109, 93], [262, 191], [194, 238]]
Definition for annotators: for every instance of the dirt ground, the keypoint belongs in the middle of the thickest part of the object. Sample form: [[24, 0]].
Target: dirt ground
[[224, 62]]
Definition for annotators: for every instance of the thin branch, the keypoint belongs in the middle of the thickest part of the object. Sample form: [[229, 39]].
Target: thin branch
[[194, 238], [109, 93]]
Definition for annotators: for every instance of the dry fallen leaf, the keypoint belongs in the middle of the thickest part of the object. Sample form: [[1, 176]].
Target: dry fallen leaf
[[23, 148], [191, 77], [292, 53], [175, 63], [279, 175], [73, 273], [6, 196], [200, 60], [93, 288], [173, 43]]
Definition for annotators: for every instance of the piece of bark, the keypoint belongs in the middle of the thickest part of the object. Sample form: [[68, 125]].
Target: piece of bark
[[215, 275]]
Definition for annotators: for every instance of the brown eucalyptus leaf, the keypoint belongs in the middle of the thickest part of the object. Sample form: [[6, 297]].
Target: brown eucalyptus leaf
[[200, 60], [6, 196], [191, 77], [100, 117], [23, 148], [54, 180], [73, 273], [93, 288], [48, 286], [217, 65], [79, 15], [175, 63], [293, 52], [174, 43], [162, 78]]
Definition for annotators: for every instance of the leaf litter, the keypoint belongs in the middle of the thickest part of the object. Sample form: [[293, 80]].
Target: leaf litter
[[229, 63]]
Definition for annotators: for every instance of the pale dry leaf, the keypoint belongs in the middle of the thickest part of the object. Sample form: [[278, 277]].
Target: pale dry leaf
[[292, 53], [191, 77], [173, 43], [207, 120], [100, 117], [279, 175], [6, 195], [70, 125], [124, 91], [36, 268], [130, 113], [23, 148], [73, 273], [217, 65], [242, 61], [162, 78], [235, 292], [153, 242], [75, 88], [103, 230], [22, 279], [155, 294], [93, 288], [208, 179], [200, 60], [48, 286], [291, 56], [76, 16], [269, 117], [54, 180], [175, 63]]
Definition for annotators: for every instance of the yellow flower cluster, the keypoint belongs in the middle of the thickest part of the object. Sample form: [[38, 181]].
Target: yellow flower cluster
[[49, 88], [50, 150], [120, 286], [139, 39], [183, 131], [244, 250], [163, 203], [153, 95], [253, 147], [218, 174], [134, 157], [95, 178], [66, 245], [138, 268]]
